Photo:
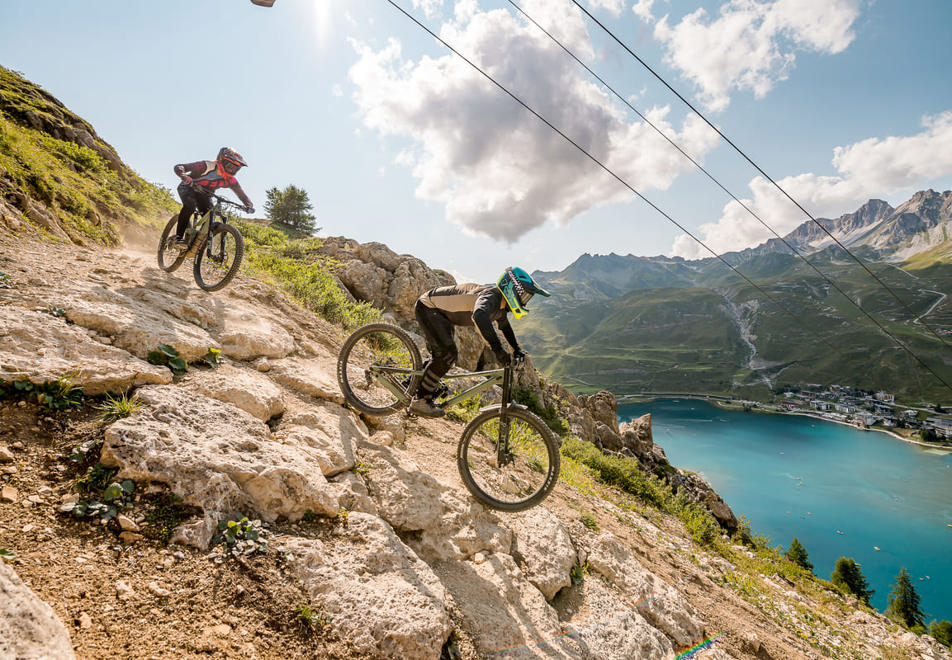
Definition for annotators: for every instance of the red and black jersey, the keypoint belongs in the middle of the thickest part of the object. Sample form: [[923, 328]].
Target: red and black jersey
[[209, 174]]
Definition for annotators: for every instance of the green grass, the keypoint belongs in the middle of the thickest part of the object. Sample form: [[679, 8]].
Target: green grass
[[307, 276], [90, 198]]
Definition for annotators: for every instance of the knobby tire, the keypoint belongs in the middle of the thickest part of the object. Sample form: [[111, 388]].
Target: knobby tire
[[381, 344], [170, 257], [523, 483], [211, 275]]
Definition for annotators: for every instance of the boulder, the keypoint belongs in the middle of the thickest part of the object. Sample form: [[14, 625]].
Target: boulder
[[603, 406], [248, 333], [216, 457], [313, 377], [140, 319], [661, 604], [329, 432], [28, 627], [446, 523], [249, 390], [607, 625], [543, 544], [505, 614], [40, 347], [379, 595]]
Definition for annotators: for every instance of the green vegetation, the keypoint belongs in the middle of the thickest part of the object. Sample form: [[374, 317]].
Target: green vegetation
[[58, 394], [548, 414], [849, 578], [290, 207], [798, 555], [88, 190], [626, 474], [7, 555], [294, 264], [112, 497], [589, 521], [115, 408], [903, 607], [578, 572], [309, 619], [213, 358], [239, 538], [167, 356], [942, 631]]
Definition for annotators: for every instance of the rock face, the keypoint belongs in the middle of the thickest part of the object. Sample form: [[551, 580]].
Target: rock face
[[219, 458], [28, 627]]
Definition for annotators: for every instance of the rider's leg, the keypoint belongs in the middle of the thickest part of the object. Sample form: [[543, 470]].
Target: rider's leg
[[187, 196], [441, 341]]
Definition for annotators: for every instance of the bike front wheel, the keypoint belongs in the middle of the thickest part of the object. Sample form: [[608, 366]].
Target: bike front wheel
[[216, 267], [170, 255], [374, 364], [518, 476]]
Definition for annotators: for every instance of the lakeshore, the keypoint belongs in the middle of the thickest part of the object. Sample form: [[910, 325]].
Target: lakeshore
[[841, 493], [729, 403]]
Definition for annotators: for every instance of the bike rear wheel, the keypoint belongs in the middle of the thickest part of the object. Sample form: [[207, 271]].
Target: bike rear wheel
[[529, 470], [381, 345], [213, 271], [170, 256]]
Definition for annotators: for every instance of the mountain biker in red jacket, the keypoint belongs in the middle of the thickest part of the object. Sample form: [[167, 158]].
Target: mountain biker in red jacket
[[439, 310], [200, 178]]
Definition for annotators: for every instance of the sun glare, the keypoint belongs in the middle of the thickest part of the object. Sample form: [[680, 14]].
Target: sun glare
[[322, 21]]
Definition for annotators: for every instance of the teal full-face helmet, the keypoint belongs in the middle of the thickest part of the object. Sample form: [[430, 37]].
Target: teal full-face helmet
[[517, 287]]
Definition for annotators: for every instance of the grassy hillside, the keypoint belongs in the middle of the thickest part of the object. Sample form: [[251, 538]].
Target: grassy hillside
[[61, 178], [721, 335]]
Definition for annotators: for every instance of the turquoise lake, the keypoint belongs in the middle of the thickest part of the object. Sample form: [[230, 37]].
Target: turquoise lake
[[839, 490]]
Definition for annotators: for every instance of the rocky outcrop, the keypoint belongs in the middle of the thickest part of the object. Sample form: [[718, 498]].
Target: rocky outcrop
[[28, 627]]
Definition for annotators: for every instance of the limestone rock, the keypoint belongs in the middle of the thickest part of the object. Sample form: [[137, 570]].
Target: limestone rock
[[603, 406], [314, 377], [543, 543], [382, 598], [141, 318], [216, 457], [352, 493], [28, 627], [503, 610], [249, 334], [243, 388], [608, 626], [661, 604], [446, 522], [40, 347]]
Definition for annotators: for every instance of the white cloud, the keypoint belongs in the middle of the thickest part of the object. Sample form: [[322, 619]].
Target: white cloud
[[751, 45], [430, 7], [642, 9], [500, 171], [875, 167], [612, 6]]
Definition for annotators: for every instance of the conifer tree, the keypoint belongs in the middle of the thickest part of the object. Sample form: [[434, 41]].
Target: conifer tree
[[904, 602], [798, 555], [847, 575], [290, 207]]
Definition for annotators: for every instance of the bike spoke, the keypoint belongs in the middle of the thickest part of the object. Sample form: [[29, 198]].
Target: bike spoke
[[364, 370]]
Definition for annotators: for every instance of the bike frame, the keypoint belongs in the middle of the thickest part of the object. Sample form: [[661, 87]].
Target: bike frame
[[205, 224]]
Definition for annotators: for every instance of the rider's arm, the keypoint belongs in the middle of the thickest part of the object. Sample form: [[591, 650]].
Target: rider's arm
[[482, 317], [507, 332], [183, 170], [241, 193]]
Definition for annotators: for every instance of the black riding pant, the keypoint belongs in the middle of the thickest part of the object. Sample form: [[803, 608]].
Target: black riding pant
[[192, 200], [440, 341]]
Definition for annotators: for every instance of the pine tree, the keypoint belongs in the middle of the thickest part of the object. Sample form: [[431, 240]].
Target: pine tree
[[798, 555], [848, 576], [904, 602], [290, 207]]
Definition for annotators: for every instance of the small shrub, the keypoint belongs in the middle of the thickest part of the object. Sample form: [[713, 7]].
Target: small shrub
[[7, 555], [58, 394], [361, 468], [527, 397], [167, 356], [114, 497], [578, 573], [309, 619], [238, 538], [116, 408], [96, 478], [213, 358], [589, 522], [341, 517]]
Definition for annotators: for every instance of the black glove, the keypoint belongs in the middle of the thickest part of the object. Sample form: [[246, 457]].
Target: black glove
[[502, 356], [518, 357], [249, 209]]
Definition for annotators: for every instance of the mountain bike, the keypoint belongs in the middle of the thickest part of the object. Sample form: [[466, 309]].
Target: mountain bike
[[507, 457], [216, 246]]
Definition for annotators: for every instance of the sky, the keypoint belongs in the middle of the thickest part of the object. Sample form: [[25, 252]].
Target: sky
[[398, 140]]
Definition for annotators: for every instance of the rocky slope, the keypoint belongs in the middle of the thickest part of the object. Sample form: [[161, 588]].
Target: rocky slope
[[370, 523]]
